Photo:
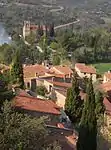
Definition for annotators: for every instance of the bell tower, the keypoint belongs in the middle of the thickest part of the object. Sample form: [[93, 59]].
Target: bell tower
[[26, 29]]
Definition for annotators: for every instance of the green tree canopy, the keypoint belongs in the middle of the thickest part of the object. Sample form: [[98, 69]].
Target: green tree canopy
[[21, 132], [41, 90]]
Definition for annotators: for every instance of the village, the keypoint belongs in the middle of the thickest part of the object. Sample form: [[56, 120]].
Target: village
[[55, 75], [44, 92], [57, 79]]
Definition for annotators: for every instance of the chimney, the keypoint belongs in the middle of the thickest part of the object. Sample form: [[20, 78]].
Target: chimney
[[52, 79], [65, 78], [24, 65]]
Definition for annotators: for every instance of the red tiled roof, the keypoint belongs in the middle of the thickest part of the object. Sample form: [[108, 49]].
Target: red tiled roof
[[35, 27], [57, 75], [85, 69], [108, 75], [62, 70], [107, 104], [53, 74], [35, 104], [61, 84], [105, 86], [31, 70]]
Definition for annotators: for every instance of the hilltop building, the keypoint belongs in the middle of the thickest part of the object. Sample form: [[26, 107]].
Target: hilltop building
[[28, 28]]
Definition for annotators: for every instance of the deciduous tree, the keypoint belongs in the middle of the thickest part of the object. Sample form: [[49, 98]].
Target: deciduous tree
[[21, 132]]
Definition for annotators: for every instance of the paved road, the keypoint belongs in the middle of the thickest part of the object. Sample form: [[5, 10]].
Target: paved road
[[68, 24], [54, 10]]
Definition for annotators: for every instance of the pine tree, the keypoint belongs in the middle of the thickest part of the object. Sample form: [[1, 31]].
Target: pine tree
[[88, 124], [73, 105], [17, 71], [51, 30]]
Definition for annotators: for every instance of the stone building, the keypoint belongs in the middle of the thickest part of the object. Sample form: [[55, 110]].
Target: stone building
[[28, 28]]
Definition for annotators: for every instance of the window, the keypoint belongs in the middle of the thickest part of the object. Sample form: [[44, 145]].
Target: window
[[50, 88], [28, 85]]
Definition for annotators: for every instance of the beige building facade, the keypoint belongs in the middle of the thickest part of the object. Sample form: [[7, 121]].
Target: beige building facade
[[85, 71], [61, 98], [107, 77]]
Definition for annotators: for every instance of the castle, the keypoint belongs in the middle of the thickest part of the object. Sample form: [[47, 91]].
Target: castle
[[28, 28]]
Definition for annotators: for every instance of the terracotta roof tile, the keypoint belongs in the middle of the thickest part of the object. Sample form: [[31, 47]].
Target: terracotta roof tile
[[105, 86], [35, 27], [35, 104], [62, 70], [31, 70], [61, 84], [107, 104], [85, 69]]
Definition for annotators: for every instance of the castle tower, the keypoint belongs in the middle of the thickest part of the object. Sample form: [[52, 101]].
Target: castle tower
[[26, 29]]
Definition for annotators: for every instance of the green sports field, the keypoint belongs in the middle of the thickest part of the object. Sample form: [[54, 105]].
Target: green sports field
[[102, 67]]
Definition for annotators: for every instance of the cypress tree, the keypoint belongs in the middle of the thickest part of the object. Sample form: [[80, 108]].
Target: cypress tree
[[17, 71], [39, 30], [51, 30], [88, 124], [73, 105], [46, 31], [100, 108]]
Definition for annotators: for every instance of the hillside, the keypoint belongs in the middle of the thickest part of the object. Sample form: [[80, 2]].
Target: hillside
[[56, 11]]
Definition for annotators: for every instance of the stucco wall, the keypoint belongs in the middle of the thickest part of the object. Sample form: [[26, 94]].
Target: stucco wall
[[60, 99], [105, 79], [40, 82], [48, 85]]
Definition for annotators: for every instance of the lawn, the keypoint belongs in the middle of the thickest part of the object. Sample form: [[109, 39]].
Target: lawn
[[102, 67]]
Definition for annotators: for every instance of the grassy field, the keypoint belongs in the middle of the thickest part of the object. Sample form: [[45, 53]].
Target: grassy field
[[102, 67]]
